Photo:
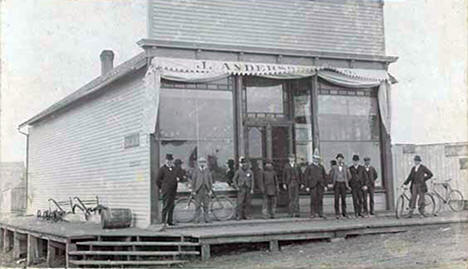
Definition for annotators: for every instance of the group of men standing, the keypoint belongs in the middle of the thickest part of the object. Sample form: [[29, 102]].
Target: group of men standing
[[360, 179]]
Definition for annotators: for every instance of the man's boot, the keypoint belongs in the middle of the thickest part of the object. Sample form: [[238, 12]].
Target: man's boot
[[410, 213]]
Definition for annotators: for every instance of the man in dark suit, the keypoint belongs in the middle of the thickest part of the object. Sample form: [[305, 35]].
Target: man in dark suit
[[315, 179], [268, 183], [369, 187], [292, 181], [166, 180], [356, 182], [339, 175], [202, 184], [243, 181], [418, 176]]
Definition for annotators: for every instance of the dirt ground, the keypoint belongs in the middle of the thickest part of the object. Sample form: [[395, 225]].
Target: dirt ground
[[445, 246]]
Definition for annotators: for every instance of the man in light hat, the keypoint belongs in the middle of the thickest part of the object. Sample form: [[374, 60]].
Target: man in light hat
[[202, 184], [369, 187], [243, 181], [356, 182], [292, 181], [418, 176], [315, 179], [340, 175], [166, 180]]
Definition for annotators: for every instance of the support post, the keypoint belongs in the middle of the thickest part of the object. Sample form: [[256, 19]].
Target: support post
[[274, 245], [8, 244], [240, 134], [2, 238], [19, 244], [314, 112], [51, 253], [33, 253], [205, 252]]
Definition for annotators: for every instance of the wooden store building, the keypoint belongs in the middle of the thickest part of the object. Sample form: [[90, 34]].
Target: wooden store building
[[221, 79]]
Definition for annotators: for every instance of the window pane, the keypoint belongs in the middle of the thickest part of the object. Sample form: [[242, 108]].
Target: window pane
[[256, 141], [194, 114], [304, 151], [264, 95], [363, 149]]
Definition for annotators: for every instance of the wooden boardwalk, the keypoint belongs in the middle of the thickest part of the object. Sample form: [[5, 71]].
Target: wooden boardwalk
[[78, 244]]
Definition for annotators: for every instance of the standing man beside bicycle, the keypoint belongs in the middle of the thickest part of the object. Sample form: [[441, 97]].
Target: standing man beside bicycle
[[202, 184], [244, 183], [418, 176], [369, 187]]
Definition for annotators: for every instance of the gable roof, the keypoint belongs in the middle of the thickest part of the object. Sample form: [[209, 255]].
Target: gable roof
[[93, 86]]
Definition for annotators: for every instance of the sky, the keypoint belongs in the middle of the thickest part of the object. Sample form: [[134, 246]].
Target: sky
[[50, 48]]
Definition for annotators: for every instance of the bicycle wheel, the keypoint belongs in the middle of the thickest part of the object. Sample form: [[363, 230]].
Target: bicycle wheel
[[438, 203], [455, 200], [184, 210], [401, 209], [430, 205], [222, 208]]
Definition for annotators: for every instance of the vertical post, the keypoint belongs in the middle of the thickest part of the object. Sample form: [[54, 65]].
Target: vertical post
[[205, 252], [33, 250], [16, 245], [2, 238], [240, 134], [269, 142], [7, 245], [274, 245], [50, 254], [387, 167], [154, 166], [69, 246], [314, 112]]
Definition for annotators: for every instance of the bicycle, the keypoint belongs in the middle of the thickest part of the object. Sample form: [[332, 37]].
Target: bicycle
[[221, 207], [446, 195], [402, 205]]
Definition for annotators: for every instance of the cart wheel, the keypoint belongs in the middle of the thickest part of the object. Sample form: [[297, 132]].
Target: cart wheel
[[38, 214], [184, 210]]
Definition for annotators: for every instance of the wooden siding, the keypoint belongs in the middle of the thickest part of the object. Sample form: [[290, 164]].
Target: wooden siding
[[442, 159], [341, 26], [80, 152]]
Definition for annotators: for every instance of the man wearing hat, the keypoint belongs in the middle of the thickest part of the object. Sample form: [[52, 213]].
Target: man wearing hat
[[268, 183], [369, 187], [340, 175], [418, 176], [202, 183], [181, 173], [315, 179], [292, 181], [166, 179], [230, 171], [244, 183], [357, 181]]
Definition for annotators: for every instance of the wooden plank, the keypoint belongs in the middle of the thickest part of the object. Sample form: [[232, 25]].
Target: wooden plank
[[2, 238], [205, 252], [32, 255], [274, 245], [265, 238], [135, 253], [51, 253], [314, 112], [135, 243], [57, 245], [19, 244], [89, 262]]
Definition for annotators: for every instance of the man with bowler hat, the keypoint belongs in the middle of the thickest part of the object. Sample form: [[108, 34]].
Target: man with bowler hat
[[166, 179], [369, 187], [202, 183], [292, 181], [340, 176], [315, 180], [244, 183], [356, 182], [418, 176]]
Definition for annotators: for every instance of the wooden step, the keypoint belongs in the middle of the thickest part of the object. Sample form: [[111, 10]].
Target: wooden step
[[89, 262], [133, 253], [136, 243]]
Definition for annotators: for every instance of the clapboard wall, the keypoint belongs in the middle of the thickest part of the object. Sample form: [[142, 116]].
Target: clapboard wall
[[80, 151], [444, 160], [342, 26]]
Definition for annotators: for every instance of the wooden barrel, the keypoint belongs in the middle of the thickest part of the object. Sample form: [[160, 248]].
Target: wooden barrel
[[113, 218]]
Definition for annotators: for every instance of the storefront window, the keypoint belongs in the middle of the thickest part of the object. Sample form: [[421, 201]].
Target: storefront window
[[195, 120], [349, 123]]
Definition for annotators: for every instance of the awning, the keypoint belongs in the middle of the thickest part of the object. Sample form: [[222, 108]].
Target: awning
[[191, 70]]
